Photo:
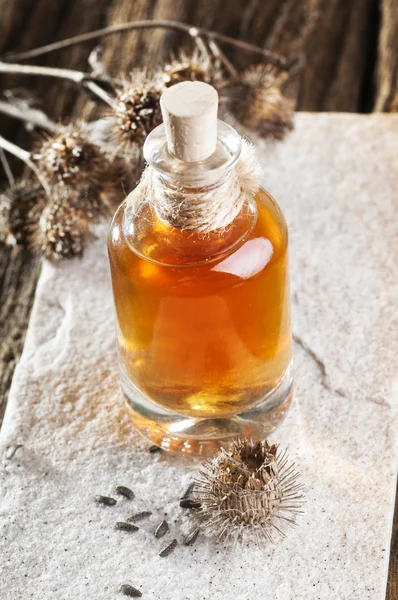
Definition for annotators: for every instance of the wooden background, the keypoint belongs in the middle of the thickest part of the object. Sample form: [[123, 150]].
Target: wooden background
[[348, 49]]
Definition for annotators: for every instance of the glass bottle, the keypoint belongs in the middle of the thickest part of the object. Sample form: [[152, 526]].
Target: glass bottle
[[203, 319]]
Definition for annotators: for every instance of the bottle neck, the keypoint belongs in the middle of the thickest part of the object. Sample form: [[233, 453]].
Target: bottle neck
[[203, 208], [201, 196]]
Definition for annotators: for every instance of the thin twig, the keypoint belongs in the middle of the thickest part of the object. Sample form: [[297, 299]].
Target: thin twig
[[77, 76], [101, 93], [7, 168], [218, 53], [194, 32], [27, 115], [26, 157]]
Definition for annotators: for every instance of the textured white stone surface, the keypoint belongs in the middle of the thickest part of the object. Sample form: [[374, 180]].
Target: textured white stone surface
[[336, 177]]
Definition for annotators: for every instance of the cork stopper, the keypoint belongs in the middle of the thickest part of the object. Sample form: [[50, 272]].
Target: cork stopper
[[189, 112]]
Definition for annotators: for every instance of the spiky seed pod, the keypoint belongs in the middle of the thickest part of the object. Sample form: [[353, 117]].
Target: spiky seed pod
[[120, 177], [62, 231], [88, 200], [247, 493], [259, 101], [20, 207], [195, 67], [69, 156], [137, 108]]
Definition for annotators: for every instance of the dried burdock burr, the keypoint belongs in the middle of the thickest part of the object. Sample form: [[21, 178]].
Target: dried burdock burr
[[87, 200], [137, 108], [62, 231], [121, 176], [198, 66], [249, 492], [20, 207], [68, 155], [259, 101]]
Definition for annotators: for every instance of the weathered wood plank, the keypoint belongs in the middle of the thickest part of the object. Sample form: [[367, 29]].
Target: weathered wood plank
[[387, 64]]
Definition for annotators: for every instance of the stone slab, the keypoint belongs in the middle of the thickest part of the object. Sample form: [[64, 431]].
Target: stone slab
[[67, 437]]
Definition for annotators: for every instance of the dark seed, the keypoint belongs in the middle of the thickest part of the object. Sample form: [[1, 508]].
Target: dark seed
[[139, 516], [124, 491], [161, 529], [188, 491], [191, 537], [169, 549], [154, 449], [106, 500], [123, 526], [129, 590], [188, 503]]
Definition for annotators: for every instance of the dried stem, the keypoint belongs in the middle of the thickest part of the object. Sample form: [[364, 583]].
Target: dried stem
[[6, 167], [27, 115], [101, 93], [77, 76], [194, 32], [218, 53], [26, 157]]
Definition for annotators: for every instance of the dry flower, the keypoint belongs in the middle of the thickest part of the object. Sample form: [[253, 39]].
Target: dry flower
[[258, 101], [120, 177], [137, 108], [62, 231], [20, 207], [69, 156], [198, 66], [88, 200], [248, 493]]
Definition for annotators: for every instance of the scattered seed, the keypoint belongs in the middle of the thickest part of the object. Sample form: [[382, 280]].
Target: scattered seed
[[105, 500], [139, 516], [154, 449], [129, 590], [125, 491], [191, 537], [188, 491], [169, 549], [188, 503], [123, 526], [161, 529], [11, 450]]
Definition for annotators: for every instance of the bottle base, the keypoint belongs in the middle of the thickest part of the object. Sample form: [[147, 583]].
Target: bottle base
[[201, 436]]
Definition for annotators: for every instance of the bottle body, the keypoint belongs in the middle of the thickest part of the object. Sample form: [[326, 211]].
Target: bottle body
[[203, 325]]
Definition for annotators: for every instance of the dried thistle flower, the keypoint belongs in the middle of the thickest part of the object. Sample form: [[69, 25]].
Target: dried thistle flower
[[20, 206], [137, 108], [259, 102], [88, 200], [62, 231], [195, 67], [120, 177], [69, 156], [248, 493]]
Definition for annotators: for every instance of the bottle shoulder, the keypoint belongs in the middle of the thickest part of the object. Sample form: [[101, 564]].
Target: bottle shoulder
[[258, 232]]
